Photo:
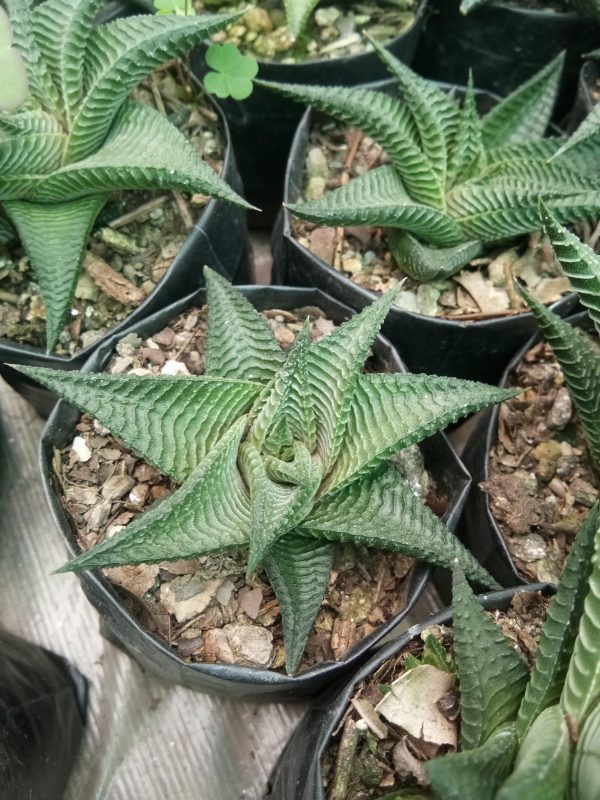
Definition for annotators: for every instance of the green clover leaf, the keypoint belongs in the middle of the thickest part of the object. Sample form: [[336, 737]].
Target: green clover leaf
[[233, 72], [13, 91]]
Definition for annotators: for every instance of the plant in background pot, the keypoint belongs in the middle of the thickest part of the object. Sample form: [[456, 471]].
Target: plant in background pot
[[427, 721], [278, 455], [536, 461], [80, 138], [458, 185]]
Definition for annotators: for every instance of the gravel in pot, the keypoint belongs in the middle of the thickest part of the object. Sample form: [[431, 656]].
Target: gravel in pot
[[533, 481]]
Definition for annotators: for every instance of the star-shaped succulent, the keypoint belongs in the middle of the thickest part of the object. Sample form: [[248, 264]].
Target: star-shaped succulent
[[283, 453]]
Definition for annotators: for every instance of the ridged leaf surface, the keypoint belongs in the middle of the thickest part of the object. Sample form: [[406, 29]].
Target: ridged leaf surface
[[525, 114], [55, 237], [171, 422], [298, 568], [581, 368], [492, 675], [378, 197], [210, 513], [391, 412], [333, 366], [474, 774], [590, 127], [61, 29], [425, 263], [297, 13], [119, 55], [580, 264], [41, 86], [381, 511], [143, 150], [239, 342], [387, 120], [542, 765], [560, 628], [468, 149]]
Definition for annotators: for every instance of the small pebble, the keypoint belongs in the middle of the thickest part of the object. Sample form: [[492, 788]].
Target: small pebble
[[561, 410], [174, 368], [81, 450], [117, 486]]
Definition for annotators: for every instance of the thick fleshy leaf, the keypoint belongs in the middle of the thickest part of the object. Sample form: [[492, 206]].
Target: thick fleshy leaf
[[333, 367], [210, 513], [580, 365], [171, 422], [474, 774], [508, 207], [581, 691], [542, 766], [30, 121], [378, 197], [30, 154], [585, 770], [524, 115], [540, 176], [580, 264], [492, 675], [430, 263], [590, 127], [119, 55], [55, 237], [276, 507], [468, 147], [61, 29], [289, 405], [239, 344], [443, 106], [41, 86], [298, 568], [432, 111], [391, 412], [387, 120], [560, 628], [381, 511], [143, 150], [297, 13]]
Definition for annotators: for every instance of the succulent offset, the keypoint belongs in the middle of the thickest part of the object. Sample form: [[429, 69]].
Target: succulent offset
[[525, 736], [283, 453], [578, 359], [456, 180], [80, 136]]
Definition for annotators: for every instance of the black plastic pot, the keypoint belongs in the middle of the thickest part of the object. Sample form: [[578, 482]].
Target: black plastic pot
[[475, 350], [219, 238], [263, 126], [504, 45], [151, 652], [589, 81], [478, 528], [297, 776], [42, 716]]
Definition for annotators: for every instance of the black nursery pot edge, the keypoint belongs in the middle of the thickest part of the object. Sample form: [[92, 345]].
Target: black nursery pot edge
[[478, 529], [150, 651], [474, 350], [262, 126], [219, 239], [297, 775]]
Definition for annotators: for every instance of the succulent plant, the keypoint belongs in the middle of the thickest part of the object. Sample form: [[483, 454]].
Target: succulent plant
[[80, 137], [529, 735], [456, 181], [283, 453], [578, 359]]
